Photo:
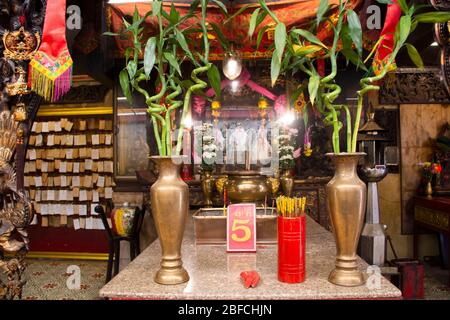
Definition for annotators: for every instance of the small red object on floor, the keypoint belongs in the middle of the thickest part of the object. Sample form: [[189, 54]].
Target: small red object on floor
[[411, 277], [250, 278]]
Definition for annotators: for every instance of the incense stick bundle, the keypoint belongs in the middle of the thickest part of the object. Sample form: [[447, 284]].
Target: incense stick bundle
[[291, 207]]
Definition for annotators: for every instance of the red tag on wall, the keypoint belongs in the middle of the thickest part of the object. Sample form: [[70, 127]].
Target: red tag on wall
[[241, 227]]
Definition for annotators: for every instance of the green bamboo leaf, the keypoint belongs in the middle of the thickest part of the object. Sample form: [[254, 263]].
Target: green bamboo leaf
[[136, 15], [309, 37], [280, 39], [131, 68], [305, 50], [403, 5], [183, 44], [414, 25], [260, 36], [126, 24], [414, 55], [214, 79], [174, 15], [275, 67], [323, 8], [263, 4], [355, 31], [261, 16], [156, 7], [194, 5], [385, 1], [234, 15], [299, 90], [221, 6], [149, 56], [305, 116], [223, 40], [403, 30], [354, 58], [128, 53], [125, 84], [253, 18], [313, 87], [173, 61], [108, 33], [432, 17]]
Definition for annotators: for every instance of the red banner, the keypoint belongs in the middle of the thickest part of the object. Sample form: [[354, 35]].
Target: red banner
[[291, 13]]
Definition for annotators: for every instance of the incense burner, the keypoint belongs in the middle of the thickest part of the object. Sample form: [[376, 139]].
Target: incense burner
[[247, 186]]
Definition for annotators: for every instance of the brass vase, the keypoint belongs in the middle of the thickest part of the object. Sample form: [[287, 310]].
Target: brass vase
[[346, 196], [208, 183], [170, 205], [429, 190], [287, 182]]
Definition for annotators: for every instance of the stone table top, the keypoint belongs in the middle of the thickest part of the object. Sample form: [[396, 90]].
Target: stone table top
[[215, 274]]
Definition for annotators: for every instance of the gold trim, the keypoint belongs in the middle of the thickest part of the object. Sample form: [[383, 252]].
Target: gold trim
[[434, 218], [68, 255], [57, 110]]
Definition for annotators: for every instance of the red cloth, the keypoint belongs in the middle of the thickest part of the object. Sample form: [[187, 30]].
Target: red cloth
[[51, 67], [387, 44], [290, 12]]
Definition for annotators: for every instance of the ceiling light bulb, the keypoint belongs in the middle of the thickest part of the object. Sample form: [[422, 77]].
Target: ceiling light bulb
[[232, 65]]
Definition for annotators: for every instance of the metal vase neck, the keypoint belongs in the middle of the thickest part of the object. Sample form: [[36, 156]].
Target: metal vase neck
[[346, 163], [168, 167]]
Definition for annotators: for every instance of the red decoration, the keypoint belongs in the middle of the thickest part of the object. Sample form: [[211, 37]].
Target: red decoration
[[186, 173], [291, 249], [291, 13], [321, 67], [387, 43], [250, 278], [51, 67]]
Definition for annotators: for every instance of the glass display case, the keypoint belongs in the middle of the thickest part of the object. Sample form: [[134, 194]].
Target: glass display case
[[131, 141]]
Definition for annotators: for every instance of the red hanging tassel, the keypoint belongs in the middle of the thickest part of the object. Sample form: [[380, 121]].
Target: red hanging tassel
[[51, 68]]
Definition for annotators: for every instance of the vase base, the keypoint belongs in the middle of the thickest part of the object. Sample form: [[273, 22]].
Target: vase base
[[172, 276], [346, 278]]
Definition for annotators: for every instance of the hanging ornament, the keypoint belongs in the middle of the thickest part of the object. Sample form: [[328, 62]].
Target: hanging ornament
[[262, 106], [307, 151], [51, 67], [215, 106], [262, 103], [300, 103], [232, 65]]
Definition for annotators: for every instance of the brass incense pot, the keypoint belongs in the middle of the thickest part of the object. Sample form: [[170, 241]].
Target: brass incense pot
[[247, 186]]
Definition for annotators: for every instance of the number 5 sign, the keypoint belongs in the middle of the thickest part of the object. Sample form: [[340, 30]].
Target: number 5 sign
[[241, 228]]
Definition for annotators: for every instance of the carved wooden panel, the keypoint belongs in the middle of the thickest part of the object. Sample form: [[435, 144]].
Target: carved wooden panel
[[409, 85], [434, 218]]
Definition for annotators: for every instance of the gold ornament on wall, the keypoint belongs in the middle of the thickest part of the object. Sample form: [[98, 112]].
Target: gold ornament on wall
[[19, 85], [20, 44], [20, 112]]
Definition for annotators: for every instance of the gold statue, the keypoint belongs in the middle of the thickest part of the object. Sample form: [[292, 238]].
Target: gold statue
[[15, 211]]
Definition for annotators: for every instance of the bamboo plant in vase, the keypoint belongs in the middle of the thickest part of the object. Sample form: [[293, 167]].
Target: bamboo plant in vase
[[298, 51], [163, 55]]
